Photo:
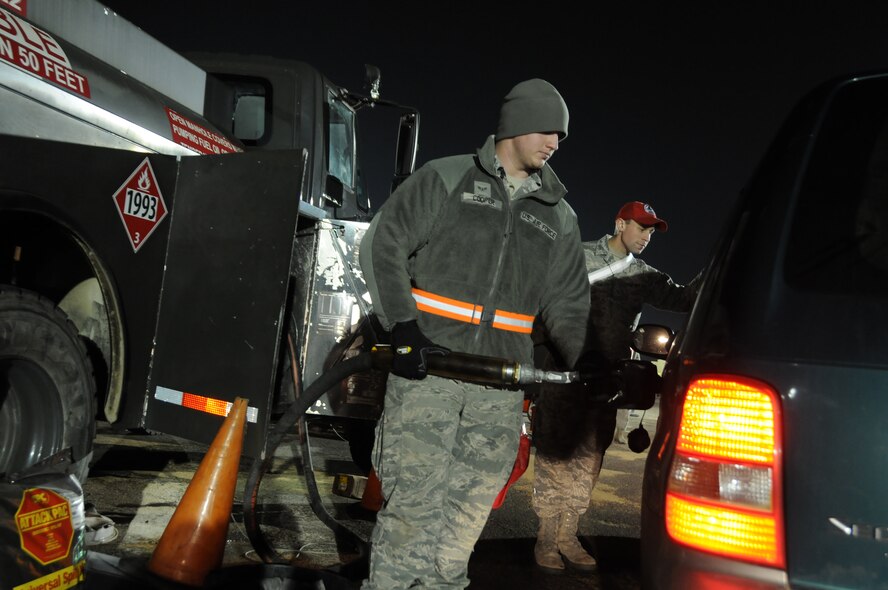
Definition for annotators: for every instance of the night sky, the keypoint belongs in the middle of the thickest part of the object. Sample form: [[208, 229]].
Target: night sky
[[672, 103]]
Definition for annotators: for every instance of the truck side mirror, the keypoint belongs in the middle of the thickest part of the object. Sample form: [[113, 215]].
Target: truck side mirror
[[408, 143], [372, 80]]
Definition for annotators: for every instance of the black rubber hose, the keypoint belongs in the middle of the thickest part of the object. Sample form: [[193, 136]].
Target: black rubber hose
[[329, 379], [453, 365]]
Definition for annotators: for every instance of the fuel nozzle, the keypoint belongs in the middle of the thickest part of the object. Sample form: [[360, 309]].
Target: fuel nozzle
[[485, 370]]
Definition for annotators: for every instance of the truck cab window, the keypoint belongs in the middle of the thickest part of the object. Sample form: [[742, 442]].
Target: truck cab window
[[249, 118], [341, 131], [241, 106]]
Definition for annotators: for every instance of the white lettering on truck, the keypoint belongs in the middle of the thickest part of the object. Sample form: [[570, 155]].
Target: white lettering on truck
[[16, 5], [197, 137], [31, 49]]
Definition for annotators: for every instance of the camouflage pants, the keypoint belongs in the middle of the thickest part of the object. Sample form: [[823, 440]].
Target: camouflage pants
[[443, 451], [565, 484]]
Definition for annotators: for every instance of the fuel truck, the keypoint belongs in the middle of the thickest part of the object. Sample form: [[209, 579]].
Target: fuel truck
[[174, 233]]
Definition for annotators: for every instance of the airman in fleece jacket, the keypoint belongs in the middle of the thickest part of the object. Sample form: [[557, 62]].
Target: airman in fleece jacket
[[464, 255], [451, 229]]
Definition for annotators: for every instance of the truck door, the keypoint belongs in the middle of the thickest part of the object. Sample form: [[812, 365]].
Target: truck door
[[224, 299]]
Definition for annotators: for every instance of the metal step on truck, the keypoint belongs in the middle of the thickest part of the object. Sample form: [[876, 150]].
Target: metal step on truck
[[174, 233]]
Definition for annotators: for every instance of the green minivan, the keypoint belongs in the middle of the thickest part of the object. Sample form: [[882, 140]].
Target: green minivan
[[769, 466]]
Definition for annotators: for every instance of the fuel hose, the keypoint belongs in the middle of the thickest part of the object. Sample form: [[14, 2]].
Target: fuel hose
[[454, 365], [329, 379]]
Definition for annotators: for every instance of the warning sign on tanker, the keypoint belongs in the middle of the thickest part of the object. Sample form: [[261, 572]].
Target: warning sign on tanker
[[140, 204], [34, 50], [44, 524], [197, 137]]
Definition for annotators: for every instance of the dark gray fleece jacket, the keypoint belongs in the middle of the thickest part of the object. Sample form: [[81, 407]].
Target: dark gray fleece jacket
[[451, 229]]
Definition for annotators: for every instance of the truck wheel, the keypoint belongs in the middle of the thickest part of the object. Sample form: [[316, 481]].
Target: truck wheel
[[47, 388]]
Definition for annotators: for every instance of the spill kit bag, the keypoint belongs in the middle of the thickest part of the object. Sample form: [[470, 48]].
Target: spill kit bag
[[42, 528]]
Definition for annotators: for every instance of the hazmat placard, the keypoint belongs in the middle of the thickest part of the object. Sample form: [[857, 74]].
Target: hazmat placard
[[140, 204]]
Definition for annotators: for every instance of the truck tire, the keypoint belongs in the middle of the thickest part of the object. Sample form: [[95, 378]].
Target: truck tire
[[47, 387]]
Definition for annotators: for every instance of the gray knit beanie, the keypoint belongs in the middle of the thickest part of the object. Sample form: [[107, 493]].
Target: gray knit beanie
[[532, 106]]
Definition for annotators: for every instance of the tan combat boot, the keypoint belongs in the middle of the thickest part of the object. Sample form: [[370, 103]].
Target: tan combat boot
[[546, 549], [568, 544]]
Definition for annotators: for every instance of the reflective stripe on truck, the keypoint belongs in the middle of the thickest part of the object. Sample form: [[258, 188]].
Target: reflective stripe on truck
[[218, 407]]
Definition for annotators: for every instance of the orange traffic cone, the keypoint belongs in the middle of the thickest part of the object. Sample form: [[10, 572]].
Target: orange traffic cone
[[372, 499], [193, 543]]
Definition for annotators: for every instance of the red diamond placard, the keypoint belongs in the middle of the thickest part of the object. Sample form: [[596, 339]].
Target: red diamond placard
[[44, 525], [140, 204]]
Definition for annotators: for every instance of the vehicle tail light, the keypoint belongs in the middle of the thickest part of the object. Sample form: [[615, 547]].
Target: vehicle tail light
[[725, 486]]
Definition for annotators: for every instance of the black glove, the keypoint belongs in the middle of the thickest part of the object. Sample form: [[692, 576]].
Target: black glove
[[411, 349], [639, 384], [596, 372], [598, 376]]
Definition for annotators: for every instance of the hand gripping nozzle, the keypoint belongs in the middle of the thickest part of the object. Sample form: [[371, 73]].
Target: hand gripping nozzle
[[479, 369]]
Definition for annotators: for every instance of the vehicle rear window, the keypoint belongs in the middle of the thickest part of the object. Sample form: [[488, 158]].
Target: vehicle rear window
[[836, 263], [839, 237]]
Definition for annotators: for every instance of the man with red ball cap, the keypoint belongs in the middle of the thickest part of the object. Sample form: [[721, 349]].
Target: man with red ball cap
[[571, 436]]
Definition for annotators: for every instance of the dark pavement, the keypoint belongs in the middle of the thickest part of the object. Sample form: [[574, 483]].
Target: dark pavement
[[138, 479]]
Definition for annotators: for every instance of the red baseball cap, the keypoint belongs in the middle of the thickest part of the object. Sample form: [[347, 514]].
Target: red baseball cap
[[643, 214]]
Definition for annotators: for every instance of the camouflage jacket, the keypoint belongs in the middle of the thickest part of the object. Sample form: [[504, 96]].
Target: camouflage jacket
[[619, 289]]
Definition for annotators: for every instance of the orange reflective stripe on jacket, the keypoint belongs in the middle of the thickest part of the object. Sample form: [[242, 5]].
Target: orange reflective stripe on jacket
[[471, 313], [513, 322]]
